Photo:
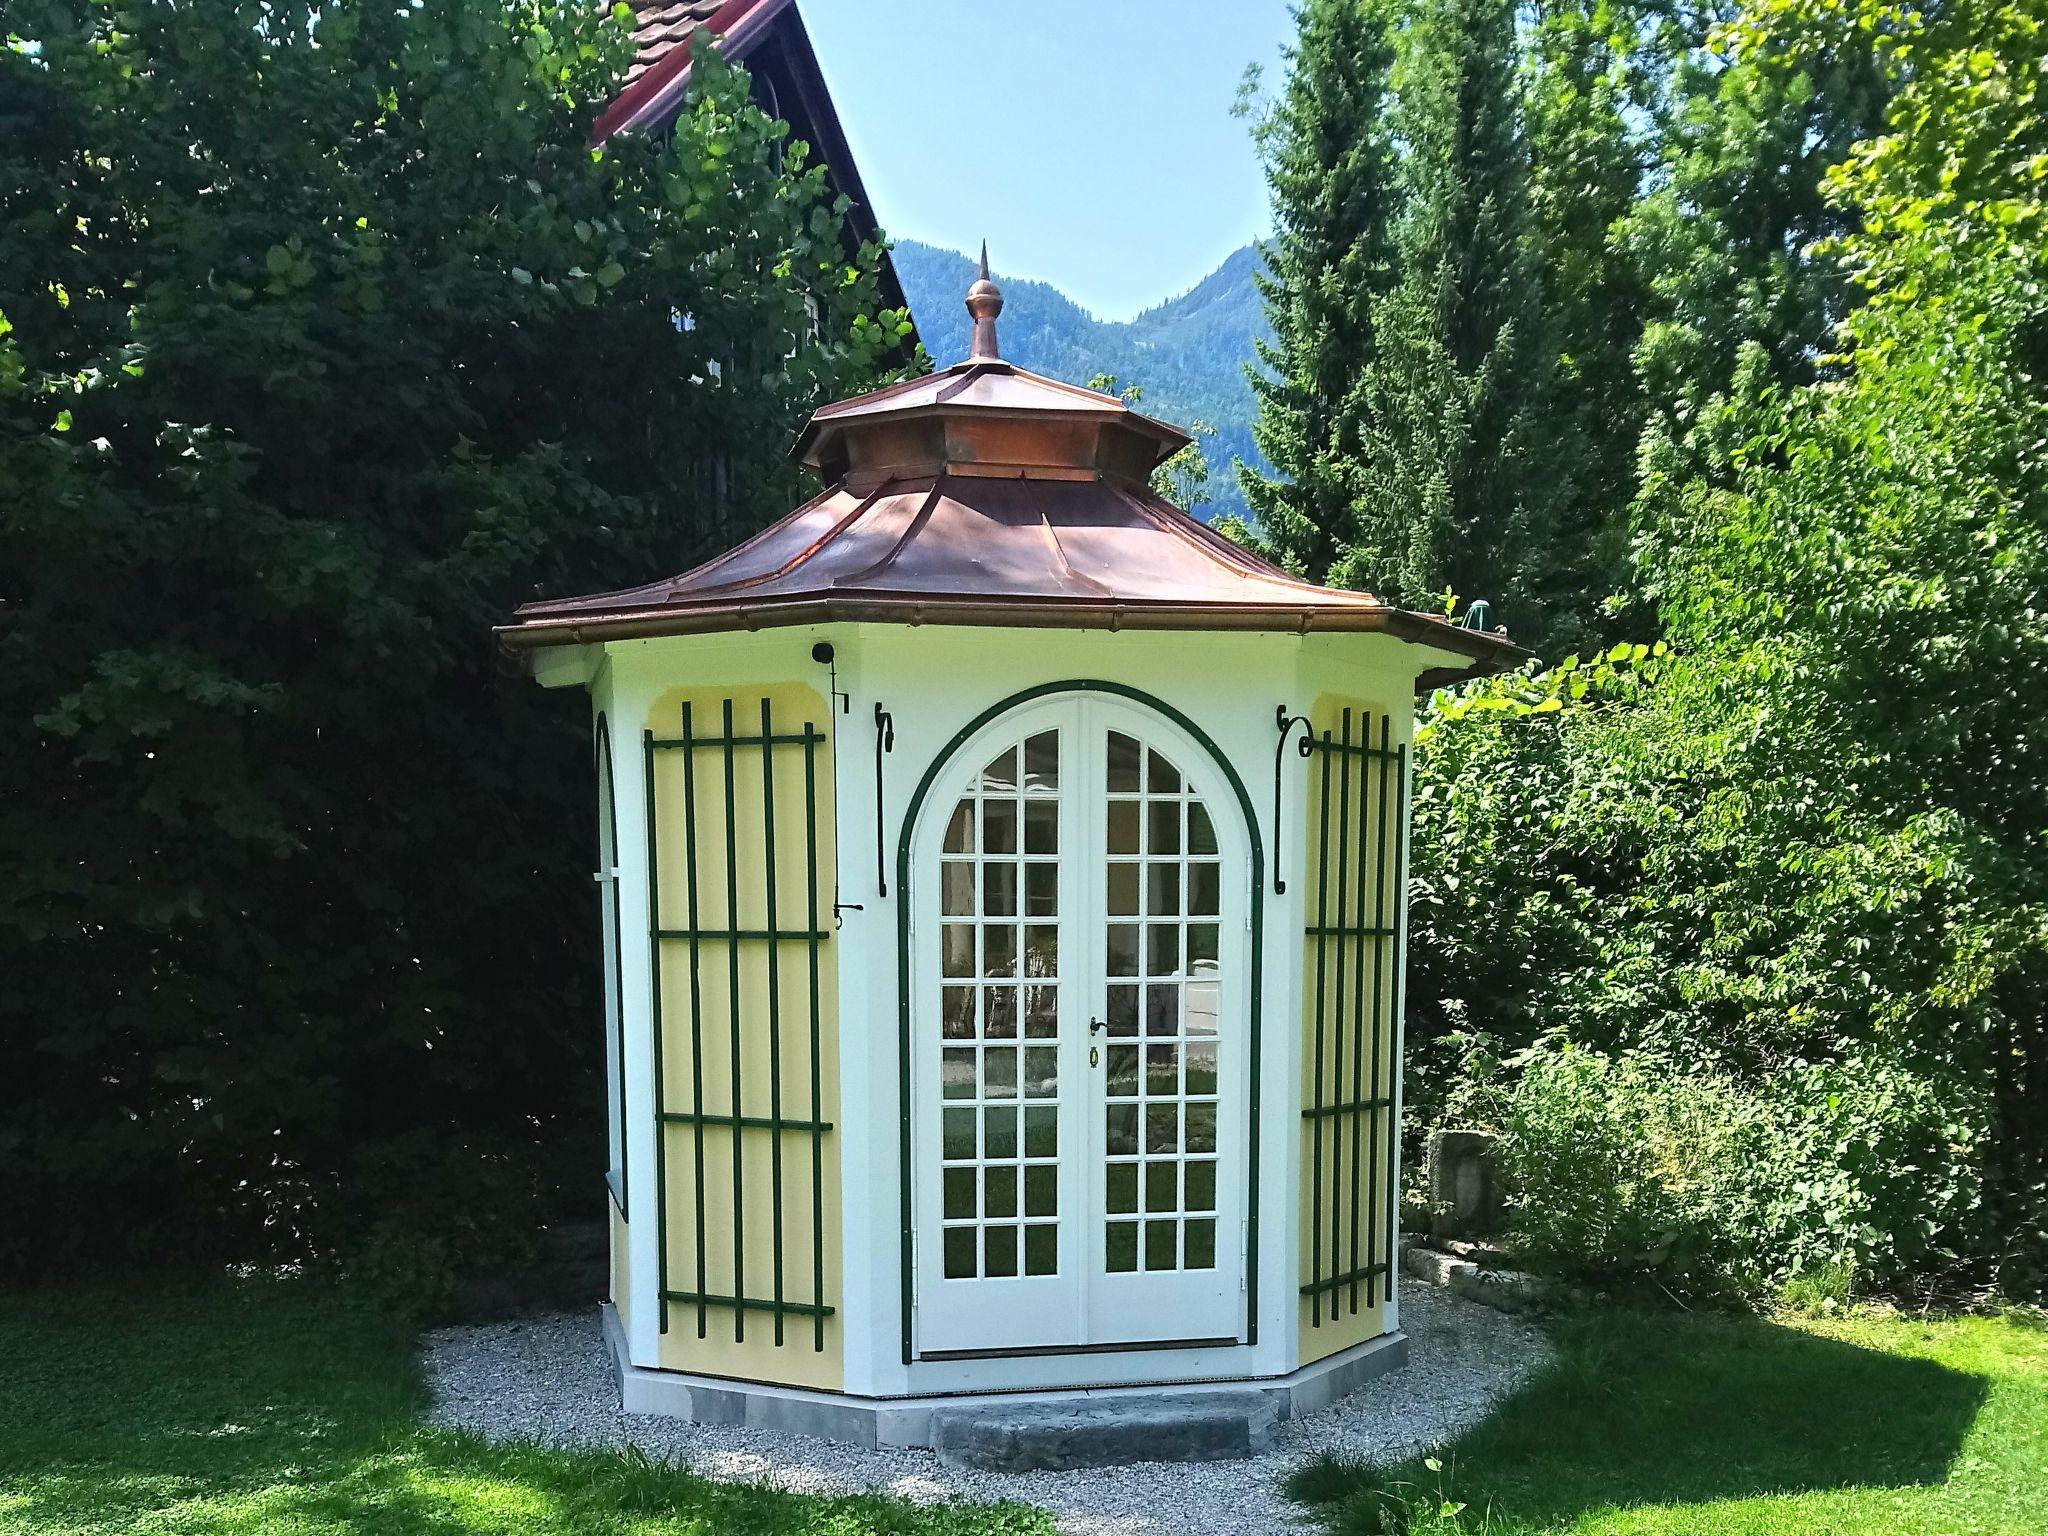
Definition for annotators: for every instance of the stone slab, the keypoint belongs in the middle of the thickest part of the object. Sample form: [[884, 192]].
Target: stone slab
[[909, 1421], [1437, 1268], [1106, 1432]]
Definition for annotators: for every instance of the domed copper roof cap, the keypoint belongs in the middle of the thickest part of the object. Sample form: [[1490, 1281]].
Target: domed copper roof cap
[[986, 495]]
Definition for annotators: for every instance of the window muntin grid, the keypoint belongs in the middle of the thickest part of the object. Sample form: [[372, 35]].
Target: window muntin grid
[[1162, 984], [999, 1018]]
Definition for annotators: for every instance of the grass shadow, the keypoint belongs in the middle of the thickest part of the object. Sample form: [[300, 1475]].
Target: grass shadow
[[215, 1409], [1644, 1409]]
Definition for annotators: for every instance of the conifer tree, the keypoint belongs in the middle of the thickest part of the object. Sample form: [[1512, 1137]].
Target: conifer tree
[[1328, 159], [1735, 242], [1452, 395], [1587, 153]]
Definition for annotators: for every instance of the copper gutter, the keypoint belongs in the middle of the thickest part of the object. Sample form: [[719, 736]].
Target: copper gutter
[[1065, 613]]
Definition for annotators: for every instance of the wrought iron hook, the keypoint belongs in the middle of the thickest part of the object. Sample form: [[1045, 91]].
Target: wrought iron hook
[[1284, 723], [885, 741]]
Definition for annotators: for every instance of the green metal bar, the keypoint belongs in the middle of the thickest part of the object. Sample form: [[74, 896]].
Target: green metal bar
[[1362, 748], [727, 935], [1315, 1204], [1399, 1000], [774, 1005], [1337, 1023], [811, 740], [1333, 932], [654, 976], [749, 1303], [1358, 1004], [1338, 1282], [696, 1005], [1379, 957], [732, 972], [713, 743], [1354, 1107], [750, 1122]]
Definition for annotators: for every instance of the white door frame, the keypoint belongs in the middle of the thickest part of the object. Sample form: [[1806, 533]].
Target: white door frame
[[1083, 1306]]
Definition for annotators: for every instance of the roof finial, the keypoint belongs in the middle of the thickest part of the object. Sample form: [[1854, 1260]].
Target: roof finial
[[984, 302]]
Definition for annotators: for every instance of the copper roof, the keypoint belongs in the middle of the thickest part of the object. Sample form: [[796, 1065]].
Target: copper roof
[[983, 494]]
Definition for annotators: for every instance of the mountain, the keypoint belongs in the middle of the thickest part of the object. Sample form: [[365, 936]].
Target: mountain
[[1187, 354]]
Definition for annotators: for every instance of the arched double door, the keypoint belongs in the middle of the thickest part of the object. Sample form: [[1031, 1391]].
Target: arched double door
[[1080, 1058]]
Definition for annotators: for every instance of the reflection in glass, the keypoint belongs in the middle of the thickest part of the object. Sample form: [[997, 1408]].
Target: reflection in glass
[[1042, 763], [1001, 774], [956, 1013], [1123, 764]]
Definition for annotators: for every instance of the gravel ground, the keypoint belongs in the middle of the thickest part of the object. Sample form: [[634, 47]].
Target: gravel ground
[[547, 1380]]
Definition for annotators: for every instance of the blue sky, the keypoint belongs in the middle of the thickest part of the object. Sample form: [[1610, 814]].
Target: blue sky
[[1091, 143]]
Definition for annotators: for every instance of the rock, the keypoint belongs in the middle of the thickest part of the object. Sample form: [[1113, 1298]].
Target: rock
[[1508, 1290], [1485, 1255], [1464, 1184], [1437, 1268], [1105, 1432]]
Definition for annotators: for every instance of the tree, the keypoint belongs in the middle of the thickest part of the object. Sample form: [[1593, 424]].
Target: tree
[[1804, 849], [1454, 390], [1587, 156], [333, 339], [1733, 240], [1329, 160]]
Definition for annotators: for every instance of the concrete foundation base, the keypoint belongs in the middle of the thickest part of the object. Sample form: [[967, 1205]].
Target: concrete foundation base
[[924, 1421]]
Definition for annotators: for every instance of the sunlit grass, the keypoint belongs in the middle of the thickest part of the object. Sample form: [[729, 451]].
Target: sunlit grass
[[233, 1408], [1864, 1424]]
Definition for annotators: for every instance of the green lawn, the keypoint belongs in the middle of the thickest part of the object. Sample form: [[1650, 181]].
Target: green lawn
[[217, 1408], [275, 1408], [1657, 1425]]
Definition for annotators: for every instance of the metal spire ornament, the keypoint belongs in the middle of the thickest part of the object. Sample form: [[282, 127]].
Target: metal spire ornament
[[984, 302]]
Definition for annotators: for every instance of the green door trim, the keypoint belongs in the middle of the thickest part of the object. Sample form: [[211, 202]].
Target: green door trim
[[903, 1029]]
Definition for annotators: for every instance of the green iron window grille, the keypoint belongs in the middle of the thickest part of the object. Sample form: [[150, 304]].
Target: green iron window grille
[[1355, 976], [785, 1029]]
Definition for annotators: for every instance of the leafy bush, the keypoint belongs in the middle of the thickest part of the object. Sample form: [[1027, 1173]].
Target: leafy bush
[[1633, 1165], [332, 340]]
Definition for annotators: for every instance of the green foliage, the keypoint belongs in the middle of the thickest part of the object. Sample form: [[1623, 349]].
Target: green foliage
[[1450, 398], [1329, 158], [1632, 1166], [1813, 841], [332, 340], [1588, 145]]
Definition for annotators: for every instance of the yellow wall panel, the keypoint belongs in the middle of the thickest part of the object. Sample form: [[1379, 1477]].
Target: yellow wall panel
[[1350, 1033], [746, 1204]]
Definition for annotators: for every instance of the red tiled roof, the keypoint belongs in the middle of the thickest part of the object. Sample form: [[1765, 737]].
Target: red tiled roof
[[662, 26]]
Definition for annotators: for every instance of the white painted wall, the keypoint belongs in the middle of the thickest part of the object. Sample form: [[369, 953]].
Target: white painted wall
[[934, 681]]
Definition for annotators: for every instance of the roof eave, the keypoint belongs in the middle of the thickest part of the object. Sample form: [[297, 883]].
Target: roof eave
[[1483, 654]]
